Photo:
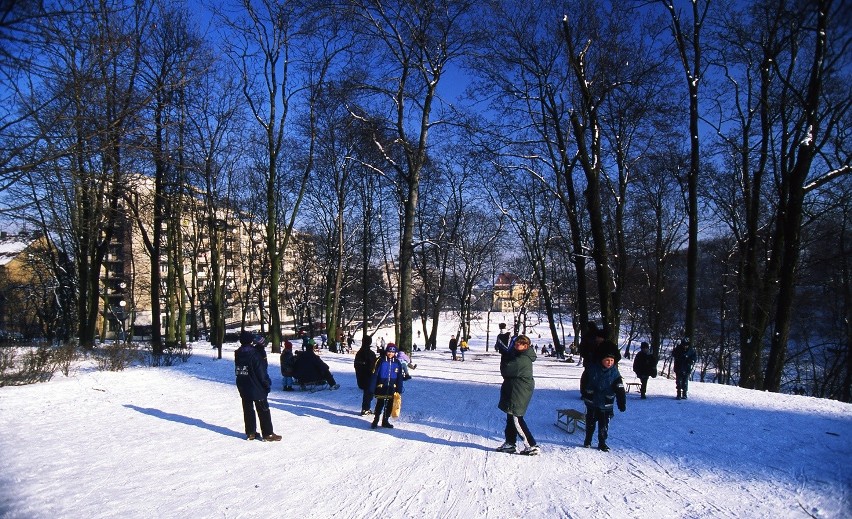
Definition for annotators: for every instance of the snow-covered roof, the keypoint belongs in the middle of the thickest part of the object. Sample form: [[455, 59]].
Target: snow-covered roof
[[11, 247]]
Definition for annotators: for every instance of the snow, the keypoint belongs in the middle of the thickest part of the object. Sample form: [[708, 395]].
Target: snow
[[169, 442]]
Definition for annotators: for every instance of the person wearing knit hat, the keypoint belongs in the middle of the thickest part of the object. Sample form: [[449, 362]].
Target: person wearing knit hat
[[644, 365], [386, 380], [601, 385], [253, 382], [288, 365]]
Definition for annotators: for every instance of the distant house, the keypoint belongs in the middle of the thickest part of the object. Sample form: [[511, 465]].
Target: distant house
[[511, 293], [26, 284]]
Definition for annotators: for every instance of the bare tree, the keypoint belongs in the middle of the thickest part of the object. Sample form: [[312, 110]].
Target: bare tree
[[413, 42]]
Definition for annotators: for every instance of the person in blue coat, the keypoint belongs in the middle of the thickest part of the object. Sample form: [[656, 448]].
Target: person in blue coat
[[601, 385], [516, 367], [253, 383], [386, 380]]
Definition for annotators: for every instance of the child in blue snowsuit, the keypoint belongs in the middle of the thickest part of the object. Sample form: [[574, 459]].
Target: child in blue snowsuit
[[601, 385], [387, 380]]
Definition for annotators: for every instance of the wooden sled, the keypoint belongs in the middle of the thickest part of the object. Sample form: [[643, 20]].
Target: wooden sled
[[631, 385], [570, 419]]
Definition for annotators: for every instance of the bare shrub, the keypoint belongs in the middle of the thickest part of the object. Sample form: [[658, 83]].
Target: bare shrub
[[116, 356]]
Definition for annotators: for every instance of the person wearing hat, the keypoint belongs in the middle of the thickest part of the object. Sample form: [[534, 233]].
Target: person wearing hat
[[684, 359], [288, 365], [365, 361], [601, 385], [603, 347], [503, 338], [644, 365], [253, 382], [516, 367], [386, 380]]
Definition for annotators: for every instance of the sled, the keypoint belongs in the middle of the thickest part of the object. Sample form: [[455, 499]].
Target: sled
[[630, 385], [570, 419], [317, 385]]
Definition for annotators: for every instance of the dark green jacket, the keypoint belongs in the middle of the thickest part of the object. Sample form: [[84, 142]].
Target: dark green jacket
[[518, 384]]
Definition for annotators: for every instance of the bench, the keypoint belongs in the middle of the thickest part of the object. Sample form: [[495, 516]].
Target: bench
[[570, 419], [631, 385]]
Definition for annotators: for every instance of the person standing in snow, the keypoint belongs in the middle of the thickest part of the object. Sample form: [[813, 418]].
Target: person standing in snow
[[253, 383], [644, 365], [386, 380], [503, 338], [684, 359], [463, 347], [365, 361], [516, 367], [588, 343], [601, 385], [454, 345], [288, 363]]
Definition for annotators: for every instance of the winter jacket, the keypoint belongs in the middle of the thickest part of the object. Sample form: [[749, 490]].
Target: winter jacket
[[645, 365], [288, 362], [250, 366], [502, 341], [310, 368], [684, 359], [601, 386], [386, 378], [518, 384], [454, 344], [365, 361]]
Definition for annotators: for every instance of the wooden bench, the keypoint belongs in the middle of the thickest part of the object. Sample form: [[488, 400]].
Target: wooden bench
[[631, 385], [570, 419]]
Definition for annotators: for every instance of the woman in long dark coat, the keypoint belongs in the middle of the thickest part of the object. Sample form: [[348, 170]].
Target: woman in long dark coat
[[516, 392], [365, 361]]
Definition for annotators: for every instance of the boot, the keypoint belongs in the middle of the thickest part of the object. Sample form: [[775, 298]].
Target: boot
[[684, 394], [375, 422], [588, 441], [678, 395], [386, 423]]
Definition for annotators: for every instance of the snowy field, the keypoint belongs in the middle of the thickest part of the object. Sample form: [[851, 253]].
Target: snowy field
[[169, 442]]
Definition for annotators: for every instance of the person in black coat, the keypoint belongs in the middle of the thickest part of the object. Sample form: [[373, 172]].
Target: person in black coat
[[644, 365], [454, 345], [365, 361], [309, 369], [503, 338], [684, 359], [384, 382], [604, 347], [253, 383], [587, 342]]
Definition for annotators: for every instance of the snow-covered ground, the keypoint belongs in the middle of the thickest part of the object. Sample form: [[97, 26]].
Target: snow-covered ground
[[169, 442]]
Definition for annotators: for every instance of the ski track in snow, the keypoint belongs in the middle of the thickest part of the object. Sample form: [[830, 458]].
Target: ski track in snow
[[169, 442]]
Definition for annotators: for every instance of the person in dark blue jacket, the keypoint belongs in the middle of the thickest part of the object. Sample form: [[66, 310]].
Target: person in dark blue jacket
[[601, 385], [253, 382], [386, 380], [684, 359]]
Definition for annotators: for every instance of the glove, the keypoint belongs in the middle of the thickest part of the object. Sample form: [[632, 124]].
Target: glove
[[622, 407]]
